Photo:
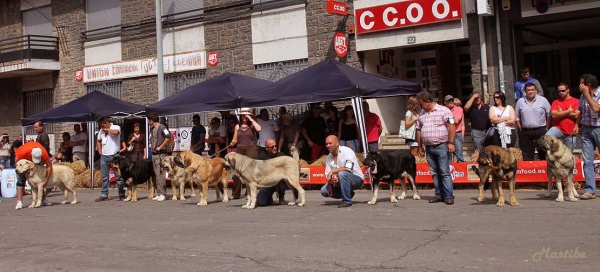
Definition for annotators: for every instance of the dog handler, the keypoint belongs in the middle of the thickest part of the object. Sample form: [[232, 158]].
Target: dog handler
[[342, 171], [36, 153]]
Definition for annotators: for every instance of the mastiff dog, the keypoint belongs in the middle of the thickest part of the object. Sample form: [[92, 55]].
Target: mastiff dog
[[560, 163], [62, 177], [387, 167], [178, 176], [502, 165], [258, 173], [207, 172], [133, 174]]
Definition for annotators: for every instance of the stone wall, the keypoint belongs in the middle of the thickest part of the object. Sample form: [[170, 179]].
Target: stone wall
[[137, 46], [141, 90], [10, 19], [230, 36]]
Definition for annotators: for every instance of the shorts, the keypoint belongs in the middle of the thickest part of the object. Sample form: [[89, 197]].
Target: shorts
[[21, 180]]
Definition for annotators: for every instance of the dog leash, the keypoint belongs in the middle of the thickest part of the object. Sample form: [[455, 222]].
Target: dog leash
[[219, 152]]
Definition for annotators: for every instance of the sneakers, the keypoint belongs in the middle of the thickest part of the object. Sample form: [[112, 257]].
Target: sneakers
[[156, 198], [587, 196], [45, 202], [19, 205], [161, 198]]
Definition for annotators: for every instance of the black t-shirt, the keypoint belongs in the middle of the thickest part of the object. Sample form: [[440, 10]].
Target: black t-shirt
[[479, 117], [316, 129], [263, 155], [15, 144]]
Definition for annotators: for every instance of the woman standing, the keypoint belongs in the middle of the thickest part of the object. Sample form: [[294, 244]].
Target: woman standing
[[244, 136], [333, 123], [503, 119], [348, 130], [410, 120], [138, 140], [5, 151]]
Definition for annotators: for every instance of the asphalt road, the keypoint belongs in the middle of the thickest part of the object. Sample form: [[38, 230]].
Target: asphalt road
[[407, 236]]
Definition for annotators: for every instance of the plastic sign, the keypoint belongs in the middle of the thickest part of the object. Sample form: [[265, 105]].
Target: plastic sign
[[339, 8], [340, 44], [79, 75], [406, 14], [213, 59]]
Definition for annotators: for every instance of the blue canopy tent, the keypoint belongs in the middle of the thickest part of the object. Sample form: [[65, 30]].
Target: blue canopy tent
[[220, 93], [87, 108], [330, 80]]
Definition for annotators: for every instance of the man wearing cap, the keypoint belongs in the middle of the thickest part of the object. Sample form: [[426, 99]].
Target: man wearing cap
[[459, 125], [36, 153]]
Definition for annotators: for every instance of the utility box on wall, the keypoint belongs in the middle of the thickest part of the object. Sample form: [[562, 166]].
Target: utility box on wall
[[485, 7]]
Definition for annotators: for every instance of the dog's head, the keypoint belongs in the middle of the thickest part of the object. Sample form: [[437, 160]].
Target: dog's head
[[490, 156], [25, 167], [120, 164], [229, 160], [374, 160], [549, 142], [171, 163]]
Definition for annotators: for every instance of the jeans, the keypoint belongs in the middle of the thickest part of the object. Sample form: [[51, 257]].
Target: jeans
[[567, 139], [348, 182], [105, 168], [478, 138], [373, 146], [590, 140], [352, 144], [458, 148], [5, 162], [437, 159]]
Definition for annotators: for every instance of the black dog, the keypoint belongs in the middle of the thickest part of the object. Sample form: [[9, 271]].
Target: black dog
[[134, 173], [387, 167]]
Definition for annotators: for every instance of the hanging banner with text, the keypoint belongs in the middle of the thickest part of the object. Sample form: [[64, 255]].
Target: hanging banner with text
[[145, 67], [529, 171]]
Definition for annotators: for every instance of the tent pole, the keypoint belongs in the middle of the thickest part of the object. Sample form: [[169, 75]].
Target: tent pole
[[358, 112], [148, 133], [91, 128], [23, 134]]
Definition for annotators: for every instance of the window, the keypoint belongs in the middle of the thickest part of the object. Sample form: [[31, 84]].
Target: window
[[103, 13], [35, 102], [177, 6], [114, 88], [277, 70], [35, 22]]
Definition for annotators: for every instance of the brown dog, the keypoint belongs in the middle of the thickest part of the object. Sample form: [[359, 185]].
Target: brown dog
[[560, 164], [208, 172], [178, 176], [502, 165]]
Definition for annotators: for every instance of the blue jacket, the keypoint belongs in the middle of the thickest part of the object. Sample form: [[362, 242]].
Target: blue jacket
[[520, 87]]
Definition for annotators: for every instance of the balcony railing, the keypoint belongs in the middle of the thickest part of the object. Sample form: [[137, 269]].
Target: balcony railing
[[29, 47]]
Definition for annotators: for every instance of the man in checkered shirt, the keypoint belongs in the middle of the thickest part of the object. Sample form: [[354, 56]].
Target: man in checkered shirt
[[435, 136]]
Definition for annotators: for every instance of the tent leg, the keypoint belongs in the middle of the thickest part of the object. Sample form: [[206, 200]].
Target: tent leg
[[91, 128], [358, 112], [23, 134]]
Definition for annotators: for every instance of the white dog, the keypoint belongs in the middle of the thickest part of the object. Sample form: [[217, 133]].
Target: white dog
[[62, 177]]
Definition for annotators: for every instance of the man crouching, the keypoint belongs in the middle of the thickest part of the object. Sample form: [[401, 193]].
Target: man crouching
[[342, 171]]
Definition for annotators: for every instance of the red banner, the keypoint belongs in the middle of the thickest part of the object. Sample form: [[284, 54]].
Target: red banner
[[529, 171], [406, 14]]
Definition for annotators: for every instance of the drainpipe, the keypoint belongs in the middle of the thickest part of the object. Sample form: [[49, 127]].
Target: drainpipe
[[483, 50], [500, 61]]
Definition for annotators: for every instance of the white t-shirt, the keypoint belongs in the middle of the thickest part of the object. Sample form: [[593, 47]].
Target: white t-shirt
[[219, 132], [344, 154], [110, 143], [77, 138], [267, 131]]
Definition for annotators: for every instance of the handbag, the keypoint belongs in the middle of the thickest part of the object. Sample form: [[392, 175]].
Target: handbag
[[409, 133], [130, 147], [489, 133]]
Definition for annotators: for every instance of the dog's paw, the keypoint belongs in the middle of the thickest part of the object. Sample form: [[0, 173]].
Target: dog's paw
[[64, 202], [300, 204], [548, 196], [202, 203], [127, 199], [480, 199], [372, 202], [560, 199], [393, 200], [575, 194], [250, 207], [291, 203], [573, 199], [174, 198], [37, 205], [74, 202], [500, 202], [193, 194], [402, 196], [245, 206], [416, 197], [514, 203], [31, 206], [225, 200]]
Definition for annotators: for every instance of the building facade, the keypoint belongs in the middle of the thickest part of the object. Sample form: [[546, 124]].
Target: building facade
[[53, 51]]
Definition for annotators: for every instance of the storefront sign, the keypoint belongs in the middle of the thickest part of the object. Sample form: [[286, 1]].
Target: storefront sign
[[145, 67], [340, 43], [79, 75], [334, 7], [531, 8], [213, 59], [406, 14]]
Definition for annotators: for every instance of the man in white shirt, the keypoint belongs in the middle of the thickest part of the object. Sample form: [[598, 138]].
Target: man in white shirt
[[108, 145], [270, 129], [217, 134], [342, 171], [78, 143]]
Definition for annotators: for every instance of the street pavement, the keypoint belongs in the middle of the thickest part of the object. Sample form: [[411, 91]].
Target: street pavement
[[539, 235]]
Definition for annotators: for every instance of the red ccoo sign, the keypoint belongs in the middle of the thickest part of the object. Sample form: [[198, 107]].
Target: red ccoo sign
[[79, 75], [340, 43], [406, 14], [339, 8], [213, 59]]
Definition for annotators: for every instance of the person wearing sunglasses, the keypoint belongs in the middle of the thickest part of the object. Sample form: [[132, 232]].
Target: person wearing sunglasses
[[564, 111], [503, 119], [265, 194]]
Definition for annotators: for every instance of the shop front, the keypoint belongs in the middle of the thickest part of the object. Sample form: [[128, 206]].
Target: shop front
[[424, 41]]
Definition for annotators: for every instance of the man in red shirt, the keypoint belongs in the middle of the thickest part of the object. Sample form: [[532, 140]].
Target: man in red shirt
[[373, 127], [564, 111], [36, 153]]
